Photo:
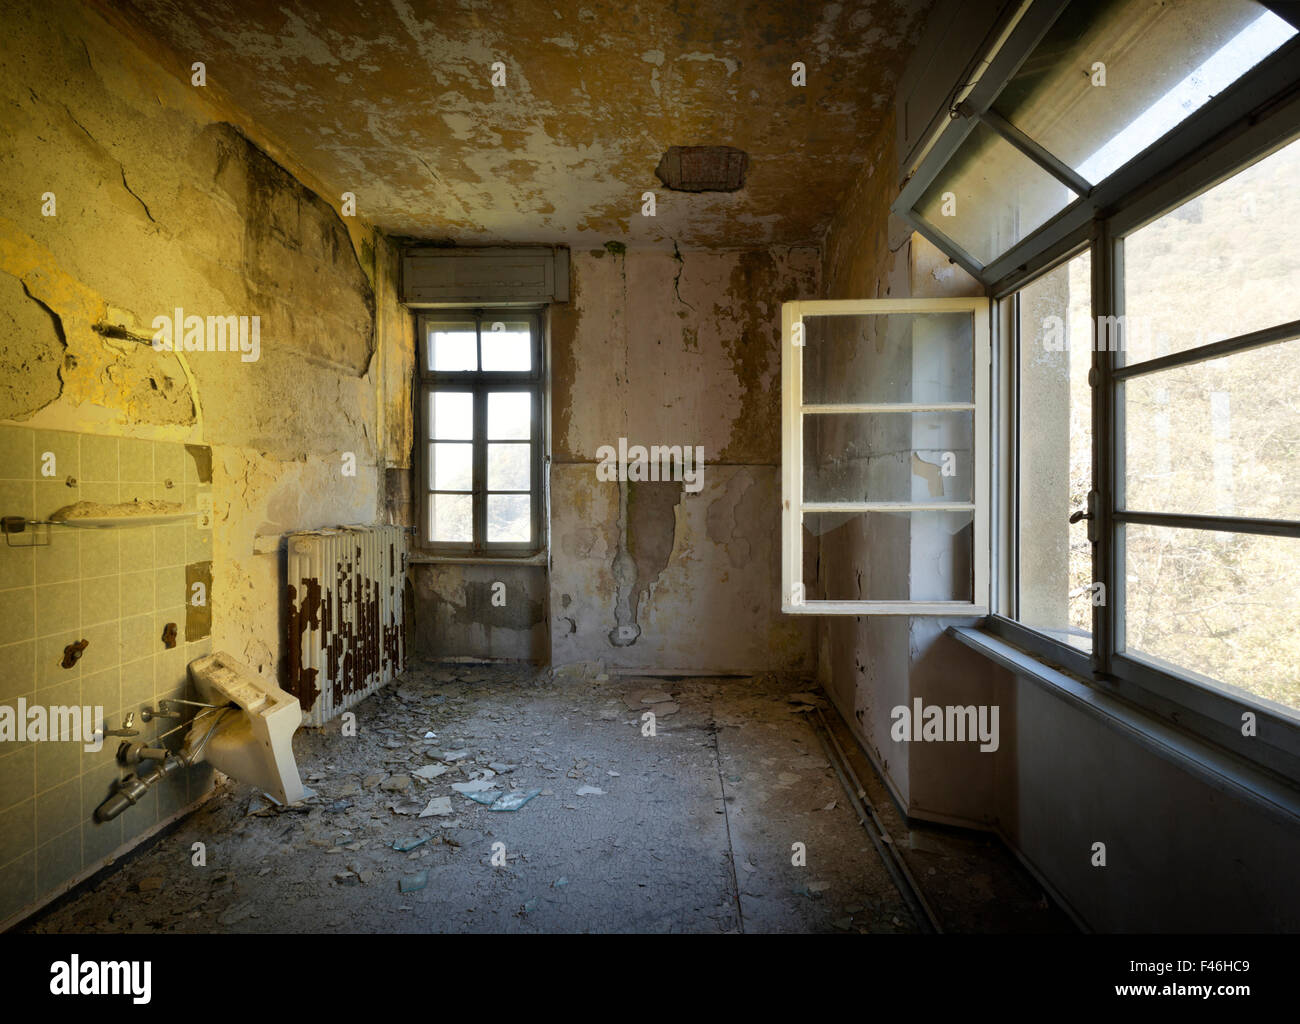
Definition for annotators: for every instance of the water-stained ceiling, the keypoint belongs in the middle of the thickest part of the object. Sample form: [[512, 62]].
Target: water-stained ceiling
[[394, 101]]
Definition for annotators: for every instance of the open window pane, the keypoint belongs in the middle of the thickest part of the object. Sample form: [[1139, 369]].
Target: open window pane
[[451, 518], [1221, 265], [509, 467], [453, 466], [1222, 605], [1221, 437], [451, 415], [507, 345], [892, 556], [991, 196], [452, 347], [885, 421], [907, 457], [1055, 452], [510, 415], [1113, 76], [509, 519], [924, 358]]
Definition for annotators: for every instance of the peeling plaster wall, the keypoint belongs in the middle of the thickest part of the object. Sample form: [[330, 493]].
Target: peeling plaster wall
[[675, 348], [456, 617], [161, 202], [396, 101]]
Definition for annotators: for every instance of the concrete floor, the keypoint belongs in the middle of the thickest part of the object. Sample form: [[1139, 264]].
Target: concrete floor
[[692, 830]]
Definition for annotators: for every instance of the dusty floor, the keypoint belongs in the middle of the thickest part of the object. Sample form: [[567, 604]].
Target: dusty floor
[[690, 830]]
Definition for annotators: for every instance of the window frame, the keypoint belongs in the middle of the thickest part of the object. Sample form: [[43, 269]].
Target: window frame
[[793, 411], [479, 383], [1257, 116]]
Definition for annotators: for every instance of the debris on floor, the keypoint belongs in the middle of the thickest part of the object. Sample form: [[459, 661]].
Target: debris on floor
[[352, 857]]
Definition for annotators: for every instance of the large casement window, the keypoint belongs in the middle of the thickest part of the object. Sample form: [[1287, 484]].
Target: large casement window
[[1123, 178], [480, 416], [885, 449]]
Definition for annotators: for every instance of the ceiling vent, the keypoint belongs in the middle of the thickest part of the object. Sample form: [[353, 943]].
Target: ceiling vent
[[703, 168]]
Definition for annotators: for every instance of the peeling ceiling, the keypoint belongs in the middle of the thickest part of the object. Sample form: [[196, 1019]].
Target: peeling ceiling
[[393, 100]]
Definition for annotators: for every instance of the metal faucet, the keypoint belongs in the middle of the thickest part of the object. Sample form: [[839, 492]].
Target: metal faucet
[[127, 727], [165, 710]]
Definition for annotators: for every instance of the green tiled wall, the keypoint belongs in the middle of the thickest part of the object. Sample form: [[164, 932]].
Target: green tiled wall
[[116, 588]]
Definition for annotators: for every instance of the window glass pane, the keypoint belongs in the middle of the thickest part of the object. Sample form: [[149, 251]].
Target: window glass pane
[[898, 357], [451, 518], [1055, 452], [1113, 76], [1222, 605], [1220, 437], [510, 415], [509, 519], [509, 467], [452, 347], [990, 196], [507, 345], [914, 457], [890, 556], [451, 415], [453, 466], [1221, 265]]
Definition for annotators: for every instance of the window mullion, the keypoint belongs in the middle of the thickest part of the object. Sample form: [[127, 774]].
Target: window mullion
[[1106, 441], [479, 482]]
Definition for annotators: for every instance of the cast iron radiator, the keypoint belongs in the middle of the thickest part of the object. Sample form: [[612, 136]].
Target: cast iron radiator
[[347, 633]]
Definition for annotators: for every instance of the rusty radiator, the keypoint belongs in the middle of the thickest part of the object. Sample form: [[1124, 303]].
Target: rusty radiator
[[347, 633]]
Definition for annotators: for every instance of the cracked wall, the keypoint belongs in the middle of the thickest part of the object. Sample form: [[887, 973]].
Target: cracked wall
[[673, 348], [396, 101], [134, 193]]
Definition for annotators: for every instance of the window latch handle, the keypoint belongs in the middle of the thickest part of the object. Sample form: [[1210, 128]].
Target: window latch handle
[[1078, 515]]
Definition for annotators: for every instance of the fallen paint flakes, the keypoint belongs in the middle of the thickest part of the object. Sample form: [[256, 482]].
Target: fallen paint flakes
[[455, 755], [430, 771], [501, 769], [413, 883], [656, 697], [504, 801], [473, 786], [410, 842], [590, 791], [439, 806]]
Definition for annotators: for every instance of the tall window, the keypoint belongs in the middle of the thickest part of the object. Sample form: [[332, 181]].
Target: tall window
[[480, 405], [1122, 179], [1207, 481], [1051, 351]]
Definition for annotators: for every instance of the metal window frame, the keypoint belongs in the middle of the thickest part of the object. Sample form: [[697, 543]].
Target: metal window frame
[[1237, 106], [793, 411], [479, 383], [1205, 706]]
